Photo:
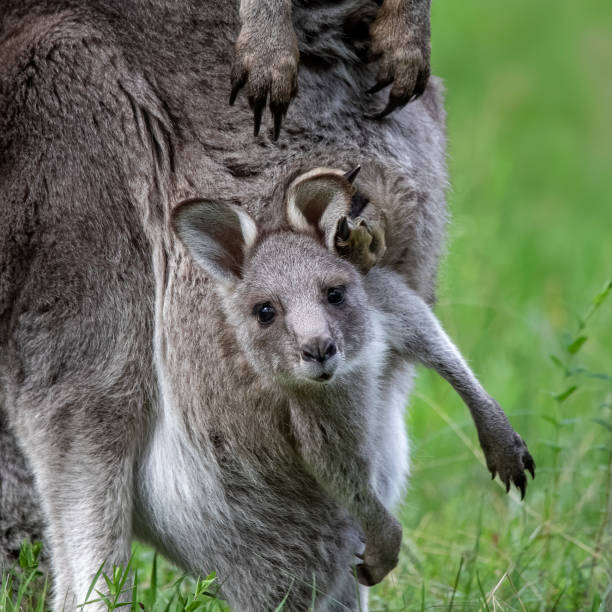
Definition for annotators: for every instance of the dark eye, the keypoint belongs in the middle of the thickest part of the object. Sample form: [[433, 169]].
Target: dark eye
[[265, 313], [335, 295]]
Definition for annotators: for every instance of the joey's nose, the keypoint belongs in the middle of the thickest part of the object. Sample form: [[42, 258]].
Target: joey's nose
[[318, 349]]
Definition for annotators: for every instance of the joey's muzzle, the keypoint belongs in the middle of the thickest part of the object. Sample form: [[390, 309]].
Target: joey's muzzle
[[319, 357]]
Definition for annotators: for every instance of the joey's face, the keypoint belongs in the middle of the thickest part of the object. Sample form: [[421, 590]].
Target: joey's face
[[300, 312]]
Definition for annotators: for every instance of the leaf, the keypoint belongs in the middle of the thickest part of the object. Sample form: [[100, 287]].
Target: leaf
[[600, 297], [482, 593], [553, 445], [576, 345], [606, 424], [550, 419], [281, 605], [598, 300], [596, 603], [92, 585], [556, 361], [588, 373], [561, 397]]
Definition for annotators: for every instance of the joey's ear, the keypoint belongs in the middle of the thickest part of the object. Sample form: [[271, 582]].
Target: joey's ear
[[217, 235], [316, 200]]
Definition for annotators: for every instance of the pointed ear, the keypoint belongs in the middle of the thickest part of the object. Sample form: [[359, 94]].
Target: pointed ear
[[217, 235], [316, 200]]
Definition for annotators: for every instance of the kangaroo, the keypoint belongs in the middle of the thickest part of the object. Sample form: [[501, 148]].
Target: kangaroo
[[118, 362]]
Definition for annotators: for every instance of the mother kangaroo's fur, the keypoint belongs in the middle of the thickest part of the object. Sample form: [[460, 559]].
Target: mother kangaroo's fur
[[120, 375]]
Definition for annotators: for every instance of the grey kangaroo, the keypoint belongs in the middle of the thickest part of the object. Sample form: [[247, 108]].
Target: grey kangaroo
[[236, 396]]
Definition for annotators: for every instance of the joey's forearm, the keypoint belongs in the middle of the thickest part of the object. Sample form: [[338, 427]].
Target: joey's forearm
[[413, 331], [337, 460], [339, 474], [340, 464], [423, 339]]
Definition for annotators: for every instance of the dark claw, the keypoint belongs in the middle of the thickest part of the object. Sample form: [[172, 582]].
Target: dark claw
[[343, 230], [420, 85], [393, 103], [278, 120], [258, 109], [360, 556], [380, 85], [493, 474], [236, 87], [278, 112], [507, 483], [521, 483], [351, 174], [364, 576], [529, 464]]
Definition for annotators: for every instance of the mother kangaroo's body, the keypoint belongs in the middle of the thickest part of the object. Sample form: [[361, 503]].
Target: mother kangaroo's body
[[116, 362]]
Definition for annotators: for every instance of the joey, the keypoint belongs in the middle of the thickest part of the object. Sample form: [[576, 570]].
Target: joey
[[319, 328], [301, 318]]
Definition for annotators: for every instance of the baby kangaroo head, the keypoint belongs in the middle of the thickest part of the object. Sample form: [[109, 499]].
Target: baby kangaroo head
[[299, 311]]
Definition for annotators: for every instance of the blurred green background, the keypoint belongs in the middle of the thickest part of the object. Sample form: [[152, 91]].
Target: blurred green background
[[529, 101]]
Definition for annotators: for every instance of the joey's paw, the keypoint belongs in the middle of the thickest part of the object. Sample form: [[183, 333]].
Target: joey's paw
[[402, 47], [381, 554], [267, 67], [507, 455], [359, 241]]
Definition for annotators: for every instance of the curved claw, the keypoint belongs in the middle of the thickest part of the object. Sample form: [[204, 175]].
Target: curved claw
[[379, 85], [363, 575], [278, 113], [237, 84], [520, 481], [420, 85], [393, 103], [343, 231], [258, 108], [529, 464]]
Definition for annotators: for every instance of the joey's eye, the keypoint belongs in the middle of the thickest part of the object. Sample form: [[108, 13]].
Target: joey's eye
[[265, 313], [335, 295]]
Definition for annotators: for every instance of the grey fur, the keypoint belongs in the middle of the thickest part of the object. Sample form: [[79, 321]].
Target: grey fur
[[118, 363], [267, 54]]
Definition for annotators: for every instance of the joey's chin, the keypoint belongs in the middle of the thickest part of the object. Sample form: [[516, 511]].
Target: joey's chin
[[318, 373], [323, 378]]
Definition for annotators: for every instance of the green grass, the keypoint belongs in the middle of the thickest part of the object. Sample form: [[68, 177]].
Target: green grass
[[529, 98]]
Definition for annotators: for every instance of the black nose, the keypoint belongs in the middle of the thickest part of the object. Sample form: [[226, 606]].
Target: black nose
[[318, 349]]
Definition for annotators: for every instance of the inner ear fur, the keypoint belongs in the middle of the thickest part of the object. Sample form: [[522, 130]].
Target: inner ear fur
[[218, 235], [316, 200]]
